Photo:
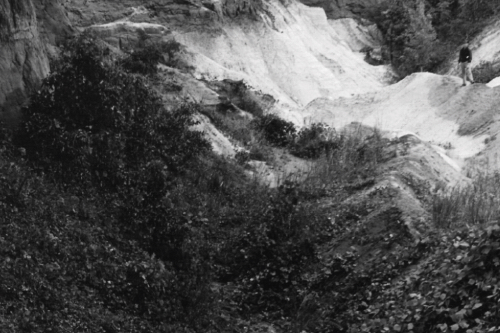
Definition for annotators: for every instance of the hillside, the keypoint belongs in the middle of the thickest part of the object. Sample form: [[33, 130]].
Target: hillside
[[239, 166]]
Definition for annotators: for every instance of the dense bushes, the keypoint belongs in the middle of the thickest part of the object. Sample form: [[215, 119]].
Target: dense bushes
[[455, 290], [91, 122], [278, 132], [411, 41], [310, 142], [104, 135], [315, 140], [272, 251], [132, 218], [66, 267]]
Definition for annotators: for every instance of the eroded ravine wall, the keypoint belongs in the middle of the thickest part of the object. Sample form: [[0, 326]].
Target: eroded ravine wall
[[23, 59]]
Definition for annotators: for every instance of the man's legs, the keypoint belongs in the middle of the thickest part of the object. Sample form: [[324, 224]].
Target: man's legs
[[466, 73], [463, 68], [469, 72]]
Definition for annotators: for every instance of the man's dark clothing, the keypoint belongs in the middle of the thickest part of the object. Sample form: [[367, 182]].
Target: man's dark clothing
[[465, 55]]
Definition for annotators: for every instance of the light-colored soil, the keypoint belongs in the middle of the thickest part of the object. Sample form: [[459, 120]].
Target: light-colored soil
[[436, 108]]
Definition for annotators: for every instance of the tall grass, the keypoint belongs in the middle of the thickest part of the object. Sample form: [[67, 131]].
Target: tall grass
[[473, 204], [355, 161]]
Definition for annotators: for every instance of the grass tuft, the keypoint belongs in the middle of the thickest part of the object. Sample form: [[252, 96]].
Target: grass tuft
[[475, 204]]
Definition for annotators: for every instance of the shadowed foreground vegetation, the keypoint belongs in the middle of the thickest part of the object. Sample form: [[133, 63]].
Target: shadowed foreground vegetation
[[117, 217]]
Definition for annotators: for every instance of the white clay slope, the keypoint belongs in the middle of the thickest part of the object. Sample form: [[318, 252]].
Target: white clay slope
[[295, 56], [436, 108]]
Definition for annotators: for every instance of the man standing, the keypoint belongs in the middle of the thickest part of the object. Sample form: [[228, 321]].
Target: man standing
[[464, 59]]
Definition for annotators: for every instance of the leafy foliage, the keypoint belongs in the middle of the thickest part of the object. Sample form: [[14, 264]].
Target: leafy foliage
[[104, 136], [315, 140], [453, 291], [278, 132], [412, 43], [64, 269], [272, 251], [91, 122], [146, 222]]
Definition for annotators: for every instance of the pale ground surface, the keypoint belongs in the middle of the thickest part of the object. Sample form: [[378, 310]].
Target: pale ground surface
[[436, 108], [295, 56]]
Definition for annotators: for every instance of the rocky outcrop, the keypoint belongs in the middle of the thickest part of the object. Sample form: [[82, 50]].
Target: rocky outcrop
[[344, 8], [23, 60], [53, 21]]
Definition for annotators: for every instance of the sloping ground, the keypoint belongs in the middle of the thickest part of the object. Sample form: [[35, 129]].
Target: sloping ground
[[408, 173], [485, 48], [434, 107], [312, 69], [294, 54]]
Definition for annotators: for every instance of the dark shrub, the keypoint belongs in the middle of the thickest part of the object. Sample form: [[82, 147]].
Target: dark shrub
[[145, 59], [278, 132], [315, 140]]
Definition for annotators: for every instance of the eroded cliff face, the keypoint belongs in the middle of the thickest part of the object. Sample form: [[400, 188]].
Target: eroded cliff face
[[23, 59], [54, 25]]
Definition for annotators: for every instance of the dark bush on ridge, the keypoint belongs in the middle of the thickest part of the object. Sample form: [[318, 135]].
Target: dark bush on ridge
[[145, 59], [278, 132], [315, 140]]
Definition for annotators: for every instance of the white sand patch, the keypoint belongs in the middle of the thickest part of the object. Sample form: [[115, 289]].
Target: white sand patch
[[312, 68], [395, 134], [431, 106], [494, 83]]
